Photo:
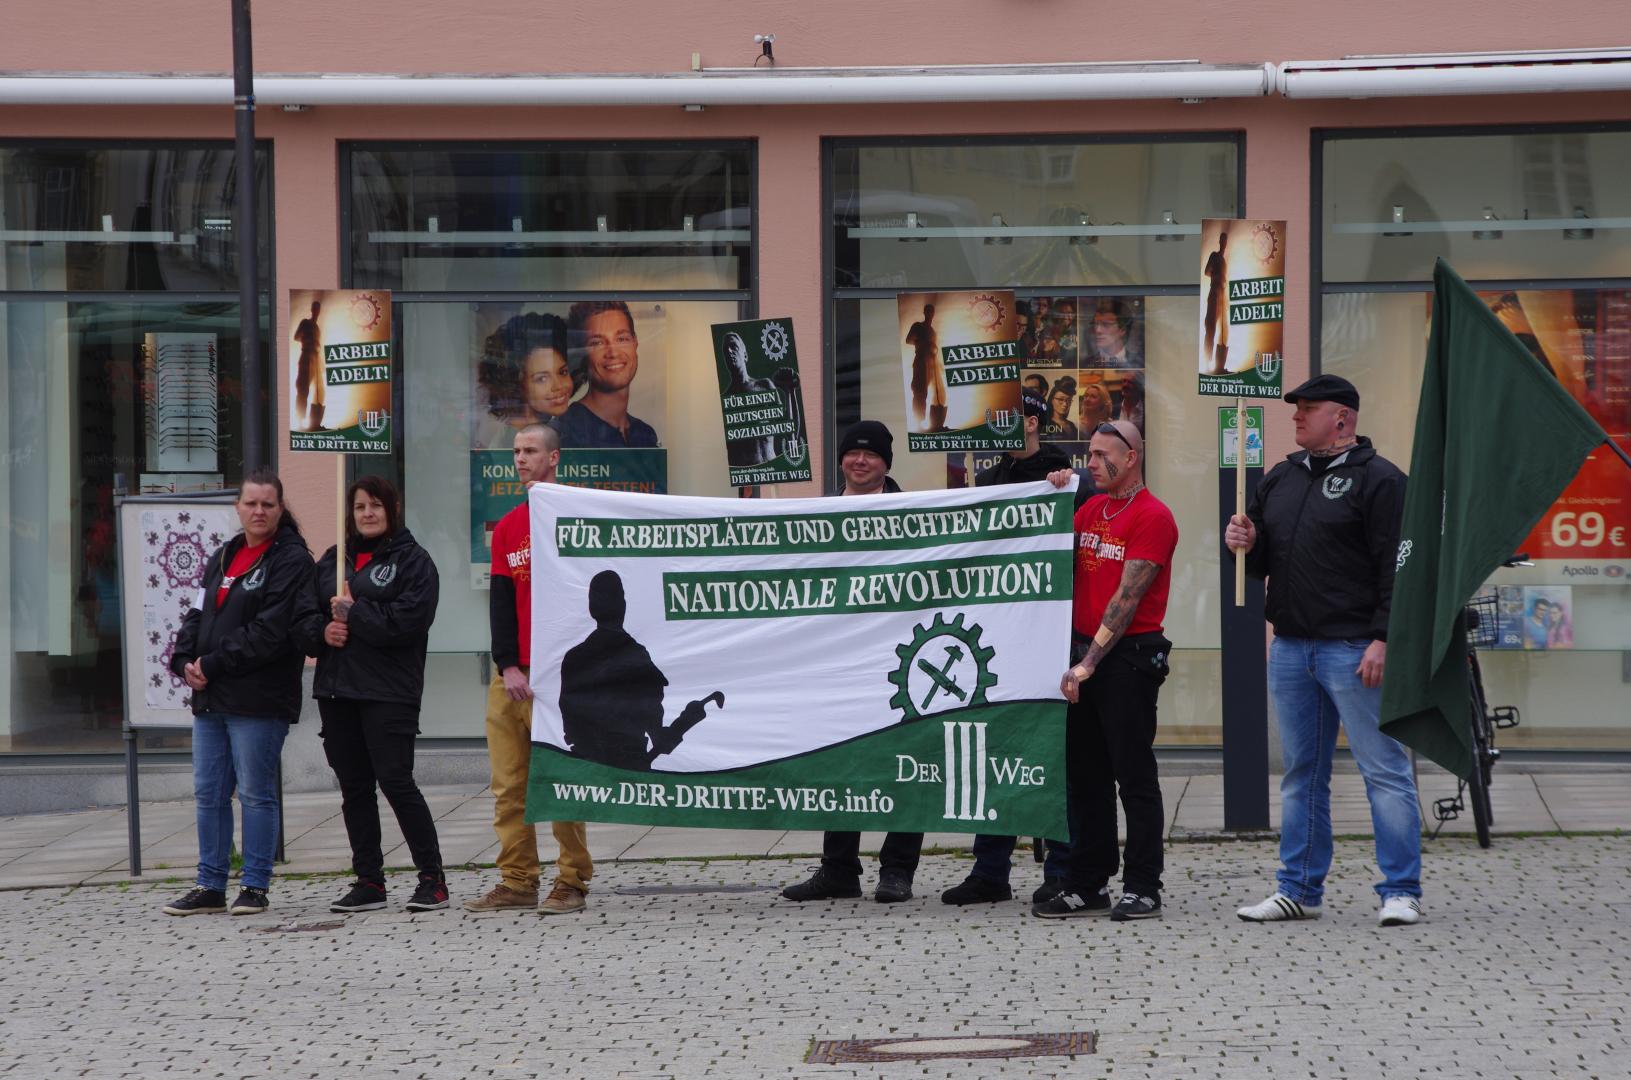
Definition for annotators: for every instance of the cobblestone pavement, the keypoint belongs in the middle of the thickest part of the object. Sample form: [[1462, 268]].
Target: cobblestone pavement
[[1520, 970]]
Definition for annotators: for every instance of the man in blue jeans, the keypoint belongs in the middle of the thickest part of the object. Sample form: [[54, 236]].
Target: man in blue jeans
[[1323, 528]]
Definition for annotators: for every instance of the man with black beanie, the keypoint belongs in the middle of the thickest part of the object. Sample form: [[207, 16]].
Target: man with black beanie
[[865, 454]]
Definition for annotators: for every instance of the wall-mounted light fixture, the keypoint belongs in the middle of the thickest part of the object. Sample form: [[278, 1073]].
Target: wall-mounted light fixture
[[600, 223], [1168, 218], [1084, 221], [1579, 232], [1488, 234], [998, 223], [1398, 219], [913, 223]]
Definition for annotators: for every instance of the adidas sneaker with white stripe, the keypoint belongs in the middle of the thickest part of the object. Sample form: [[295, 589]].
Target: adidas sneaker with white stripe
[[1280, 908]]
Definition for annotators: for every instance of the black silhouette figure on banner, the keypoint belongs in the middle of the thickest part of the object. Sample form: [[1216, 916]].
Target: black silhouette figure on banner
[[612, 693]]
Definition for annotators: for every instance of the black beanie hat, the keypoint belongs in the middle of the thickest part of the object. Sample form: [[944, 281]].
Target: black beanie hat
[[868, 435]]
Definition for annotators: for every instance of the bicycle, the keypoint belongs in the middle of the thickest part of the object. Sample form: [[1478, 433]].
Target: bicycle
[[1483, 625]]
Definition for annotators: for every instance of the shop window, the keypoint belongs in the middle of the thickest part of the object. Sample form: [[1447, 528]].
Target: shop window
[[121, 219], [1099, 241], [1563, 657], [648, 245]]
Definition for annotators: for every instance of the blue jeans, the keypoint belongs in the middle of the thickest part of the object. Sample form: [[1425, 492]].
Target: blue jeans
[[236, 752], [1316, 686]]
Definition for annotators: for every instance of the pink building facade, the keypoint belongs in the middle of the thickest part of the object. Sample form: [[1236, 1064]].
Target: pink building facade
[[651, 153]]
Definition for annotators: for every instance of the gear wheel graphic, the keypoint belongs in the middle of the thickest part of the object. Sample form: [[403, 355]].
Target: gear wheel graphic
[[936, 654], [773, 339]]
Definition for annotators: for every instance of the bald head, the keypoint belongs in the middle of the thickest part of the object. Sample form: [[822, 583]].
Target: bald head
[[1115, 457]]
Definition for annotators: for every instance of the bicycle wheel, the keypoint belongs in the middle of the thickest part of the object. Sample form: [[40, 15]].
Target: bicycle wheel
[[1478, 779]]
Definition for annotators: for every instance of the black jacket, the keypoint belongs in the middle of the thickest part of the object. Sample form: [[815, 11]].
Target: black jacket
[[1327, 538], [394, 604], [251, 647], [1049, 458]]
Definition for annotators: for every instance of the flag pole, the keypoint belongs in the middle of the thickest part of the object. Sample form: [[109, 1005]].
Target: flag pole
[[1614, 446], [340, 508], [1240, 495]]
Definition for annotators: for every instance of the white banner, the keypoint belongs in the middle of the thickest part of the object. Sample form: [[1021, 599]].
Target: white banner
[[904, 646]]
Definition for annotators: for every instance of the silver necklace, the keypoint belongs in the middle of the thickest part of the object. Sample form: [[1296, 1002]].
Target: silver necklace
[[1105, 513]]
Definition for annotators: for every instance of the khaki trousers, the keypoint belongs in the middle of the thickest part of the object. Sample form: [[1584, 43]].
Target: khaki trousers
[[509, 748]]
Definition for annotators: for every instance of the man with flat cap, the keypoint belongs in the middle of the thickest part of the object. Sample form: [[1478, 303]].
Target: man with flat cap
[[1323, 528]]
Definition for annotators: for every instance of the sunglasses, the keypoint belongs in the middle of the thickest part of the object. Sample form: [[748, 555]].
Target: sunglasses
[[1111, 429]]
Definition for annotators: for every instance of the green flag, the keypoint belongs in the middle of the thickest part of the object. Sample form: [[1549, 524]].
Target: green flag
[[1497, 440]]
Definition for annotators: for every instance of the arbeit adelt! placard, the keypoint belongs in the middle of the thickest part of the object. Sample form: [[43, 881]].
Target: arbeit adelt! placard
[[340, 371]]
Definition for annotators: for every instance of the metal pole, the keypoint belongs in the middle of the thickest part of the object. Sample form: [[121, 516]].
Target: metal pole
[[133, 803], [249, 337]]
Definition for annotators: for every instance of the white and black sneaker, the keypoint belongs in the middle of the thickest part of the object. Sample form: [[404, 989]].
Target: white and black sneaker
[[1399, 911], [1280, 908], [1073, 905], [197, 901], [1132, 906], [250, 902]]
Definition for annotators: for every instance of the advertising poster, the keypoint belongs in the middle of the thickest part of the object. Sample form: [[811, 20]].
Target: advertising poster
[[595, 371], [1243, 309], [1087, 375], [340, 371], [887, 662], [762, 402], [1583, 336], [176, 544], [960, 363]]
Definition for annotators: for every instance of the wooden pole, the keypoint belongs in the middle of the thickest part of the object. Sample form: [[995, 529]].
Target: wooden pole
[[342, 509], [1240, 495]]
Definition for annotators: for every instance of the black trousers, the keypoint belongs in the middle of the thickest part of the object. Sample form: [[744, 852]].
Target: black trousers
[[369, 744], [841, 853], [1111, 745]]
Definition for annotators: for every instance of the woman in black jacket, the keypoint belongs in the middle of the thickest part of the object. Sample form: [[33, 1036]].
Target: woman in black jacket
[[240, 651], [370, 678]]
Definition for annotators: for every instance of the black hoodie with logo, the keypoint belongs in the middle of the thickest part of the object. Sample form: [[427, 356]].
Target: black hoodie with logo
[[252, 646], [394, 602], [1327, 540], [1048, 458]]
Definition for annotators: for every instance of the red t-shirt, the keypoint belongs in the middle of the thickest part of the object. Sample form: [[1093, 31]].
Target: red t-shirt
[[247, 557], [1108, 533], [363, 559], [512, 558]]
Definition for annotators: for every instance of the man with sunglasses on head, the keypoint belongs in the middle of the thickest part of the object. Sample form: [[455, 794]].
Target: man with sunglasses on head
[[1323, 528], [1125, 539]]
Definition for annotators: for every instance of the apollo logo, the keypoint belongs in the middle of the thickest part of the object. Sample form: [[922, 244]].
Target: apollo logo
[[1335, 487], [965, 772], [383, 574]]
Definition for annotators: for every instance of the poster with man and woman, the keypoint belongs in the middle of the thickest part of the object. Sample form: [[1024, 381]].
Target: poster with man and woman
[[594, 372]]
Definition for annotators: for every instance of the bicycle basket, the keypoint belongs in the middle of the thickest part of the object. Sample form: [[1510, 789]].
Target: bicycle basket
[[1482, 622]]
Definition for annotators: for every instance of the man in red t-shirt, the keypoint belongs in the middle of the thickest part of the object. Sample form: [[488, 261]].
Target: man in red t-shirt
[[509, 708], [1125, 538]]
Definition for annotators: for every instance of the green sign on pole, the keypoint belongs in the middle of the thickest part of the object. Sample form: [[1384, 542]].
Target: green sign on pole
[[1229, 438]]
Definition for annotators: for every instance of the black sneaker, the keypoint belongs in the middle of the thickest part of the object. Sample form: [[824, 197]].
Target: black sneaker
[[250, 902], [431, 895], [1132, 906], [1050, 888], [824, 885], [364, 896], [1072, 905], [977, 890], [197, 901], [894, 887]]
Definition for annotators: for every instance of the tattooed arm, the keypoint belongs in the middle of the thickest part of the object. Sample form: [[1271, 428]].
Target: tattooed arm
[[1136, 577]]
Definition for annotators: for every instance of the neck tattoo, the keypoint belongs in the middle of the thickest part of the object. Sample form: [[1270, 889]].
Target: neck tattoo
[[1336, 448], [1104, 510]]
